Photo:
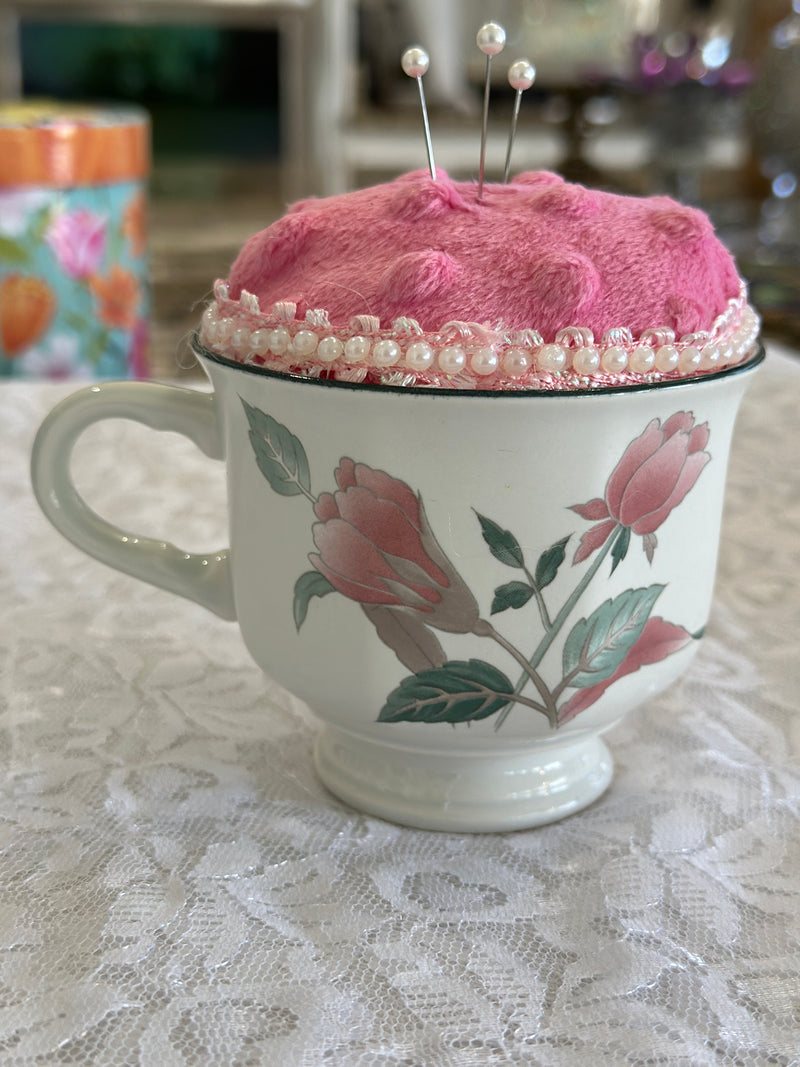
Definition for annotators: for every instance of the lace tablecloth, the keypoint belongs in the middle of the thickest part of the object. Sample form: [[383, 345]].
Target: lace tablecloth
[[179, 889]]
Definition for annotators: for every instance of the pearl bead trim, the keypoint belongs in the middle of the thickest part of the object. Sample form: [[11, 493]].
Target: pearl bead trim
[[467, 355]]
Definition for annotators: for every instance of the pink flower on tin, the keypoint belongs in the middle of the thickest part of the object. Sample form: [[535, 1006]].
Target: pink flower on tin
[[655, 473], [78, 239]]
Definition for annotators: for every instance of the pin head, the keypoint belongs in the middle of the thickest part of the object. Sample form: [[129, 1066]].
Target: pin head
[[521, 75], [491, 38], [415, 62]]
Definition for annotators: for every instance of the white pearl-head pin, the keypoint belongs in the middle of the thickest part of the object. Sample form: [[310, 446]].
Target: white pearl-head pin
[[491, 39], [415, 62], [521, 76]]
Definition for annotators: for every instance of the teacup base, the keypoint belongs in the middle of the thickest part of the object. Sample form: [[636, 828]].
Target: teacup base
[[463, 791]]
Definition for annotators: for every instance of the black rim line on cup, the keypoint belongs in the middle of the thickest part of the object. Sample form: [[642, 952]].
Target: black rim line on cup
[[423, 390]]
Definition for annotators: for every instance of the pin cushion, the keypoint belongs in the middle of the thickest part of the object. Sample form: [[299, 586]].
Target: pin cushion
[[593, 349], [537, 284]]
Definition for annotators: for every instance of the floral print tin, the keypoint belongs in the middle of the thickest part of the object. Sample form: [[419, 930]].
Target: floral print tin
[[74, 299]]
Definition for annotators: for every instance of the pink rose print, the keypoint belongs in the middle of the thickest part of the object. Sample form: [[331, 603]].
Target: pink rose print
[[375, 546], [655, 473], [78, 240]]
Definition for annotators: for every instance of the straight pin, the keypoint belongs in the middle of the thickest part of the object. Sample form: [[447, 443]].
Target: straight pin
[[491, 39], [521, 75], [415, 62]]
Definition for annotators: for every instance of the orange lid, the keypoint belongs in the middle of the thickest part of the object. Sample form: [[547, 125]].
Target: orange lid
[[43, 142]]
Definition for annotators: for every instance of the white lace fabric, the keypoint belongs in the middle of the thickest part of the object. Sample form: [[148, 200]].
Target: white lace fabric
[[179, 890]]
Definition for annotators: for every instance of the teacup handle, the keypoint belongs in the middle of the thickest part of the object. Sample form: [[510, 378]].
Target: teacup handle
[[204, 579]]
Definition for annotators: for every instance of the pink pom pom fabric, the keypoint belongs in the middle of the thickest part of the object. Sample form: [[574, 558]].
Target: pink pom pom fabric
[[537, 253], [540, 285]]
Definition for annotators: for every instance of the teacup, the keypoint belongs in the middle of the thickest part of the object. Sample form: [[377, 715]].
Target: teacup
[[468, 588]]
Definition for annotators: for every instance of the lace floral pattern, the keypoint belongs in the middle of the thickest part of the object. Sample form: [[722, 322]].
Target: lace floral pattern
[[179, 889]]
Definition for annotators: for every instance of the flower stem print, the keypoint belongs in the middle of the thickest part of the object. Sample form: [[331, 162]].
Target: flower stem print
[[373, 544], [552, 630]]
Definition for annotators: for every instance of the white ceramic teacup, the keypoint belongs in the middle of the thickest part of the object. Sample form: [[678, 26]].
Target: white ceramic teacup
[[467, 588]]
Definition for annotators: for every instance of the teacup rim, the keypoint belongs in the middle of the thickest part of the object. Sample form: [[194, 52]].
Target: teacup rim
[[417, 390]]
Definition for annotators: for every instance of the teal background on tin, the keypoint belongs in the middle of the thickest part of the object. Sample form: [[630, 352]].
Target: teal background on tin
[[102, 301]]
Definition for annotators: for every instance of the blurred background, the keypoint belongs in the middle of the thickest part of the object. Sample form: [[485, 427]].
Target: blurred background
[[254, 103]]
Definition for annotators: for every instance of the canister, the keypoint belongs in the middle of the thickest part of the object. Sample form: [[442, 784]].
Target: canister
[[74, 291]]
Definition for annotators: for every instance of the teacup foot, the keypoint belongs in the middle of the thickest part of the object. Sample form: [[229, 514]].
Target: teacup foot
[[462, 791]]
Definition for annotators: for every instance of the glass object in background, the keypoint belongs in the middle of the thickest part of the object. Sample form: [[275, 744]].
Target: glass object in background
[[584, 66], [693, 81], [775, 106], [574, 43], [74, 292], [771, 256], [668, 74]]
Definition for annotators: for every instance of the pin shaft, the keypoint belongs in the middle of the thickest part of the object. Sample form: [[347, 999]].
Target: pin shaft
[[415, 62], [512, 134], [484, 126], [521, 75], [427, 128]]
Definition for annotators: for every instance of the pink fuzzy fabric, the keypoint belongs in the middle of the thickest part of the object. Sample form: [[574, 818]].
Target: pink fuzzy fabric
[[536, 253]]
